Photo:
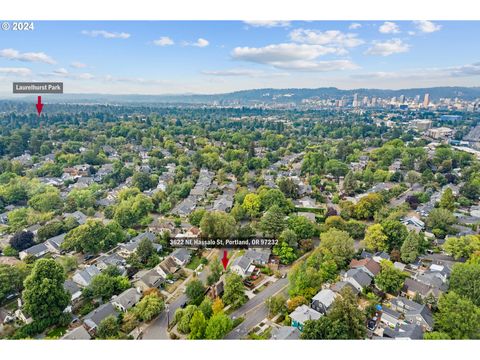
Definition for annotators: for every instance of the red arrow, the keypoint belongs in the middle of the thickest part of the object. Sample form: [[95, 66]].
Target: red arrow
[[39, 105], [225, 259]]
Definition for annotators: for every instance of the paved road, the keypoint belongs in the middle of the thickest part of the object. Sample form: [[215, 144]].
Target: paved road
[[158, 328], [401, 199], [255, 310]]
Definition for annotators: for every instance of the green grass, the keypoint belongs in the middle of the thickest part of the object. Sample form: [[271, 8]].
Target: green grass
[[193, 264]]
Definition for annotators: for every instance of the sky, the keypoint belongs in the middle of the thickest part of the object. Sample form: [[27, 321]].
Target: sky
[[206, 57]]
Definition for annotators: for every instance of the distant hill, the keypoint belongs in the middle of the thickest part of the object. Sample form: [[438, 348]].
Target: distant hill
[[246, 97]]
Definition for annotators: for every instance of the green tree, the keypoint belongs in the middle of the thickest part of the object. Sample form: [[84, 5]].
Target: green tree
[[234, 293], [43, 295], [276, 305], [411, 247], [289, 237], [273, 221], [105, 285], [251, 204], [150, 306], [447, 201], [465, 280], [216, 269], [145, 250], [11, 279], [108, 328], [440, 221], [457, 317], [196, 216], [303, 228], [375, 238], [350, 183], [368, 205], [389, 279], [339, 244], [285, 252], [195, 292], [396, 233], [218, 326], [462, 246], [206, 307], [217, 224], [198, 324], [436, 335]]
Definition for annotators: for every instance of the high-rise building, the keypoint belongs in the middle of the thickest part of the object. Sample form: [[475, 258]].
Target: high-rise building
[[402, 99], [426, 100], [355, 100]]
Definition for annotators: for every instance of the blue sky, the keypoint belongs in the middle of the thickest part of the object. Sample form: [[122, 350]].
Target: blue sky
[[151, 57]]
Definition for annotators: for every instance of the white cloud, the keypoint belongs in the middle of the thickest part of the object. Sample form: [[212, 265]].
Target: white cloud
[[201, 43], [330, 37], [61, 72], [13, 54], [291, 56], [164, 41], [106, 34], [389, 27], [84, 76], [268, 23], [426, 26], [16, 71], [78, 65], [355, 26], [386, 48]]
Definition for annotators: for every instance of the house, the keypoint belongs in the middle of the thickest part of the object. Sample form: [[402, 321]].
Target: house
[[126, 300], [5, 317], [323, 301], [258, 256], [370, 266], [340, 285], [167, 267], [73, 289], [413, 287], [181, 256], [114, 259], [84, 277], [79, 333], [404, 332], [414, 224], [94, 318], [37, 251], [302, 314], [80, 217], [148, 279], [243, 266], [358, 278], [381, 255], [130, 247], [390, 317], [414, 312], [54, 244], [285, 333], [307, 215]]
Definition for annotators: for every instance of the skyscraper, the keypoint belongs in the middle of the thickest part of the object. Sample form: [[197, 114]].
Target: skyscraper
[[426, 100]]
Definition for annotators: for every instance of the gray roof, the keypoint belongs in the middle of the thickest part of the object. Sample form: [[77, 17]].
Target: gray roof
[[243, 262], [94, 318], [340, 285], [182, 254], [325, 297], [285, 333], [392, 313], [87, 274], [258, 256], [422, 312], [409, 331], [128, 298], [78, 333], [360, 276], [57, 241], [304, 313], [36, 249], [71, 287]]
